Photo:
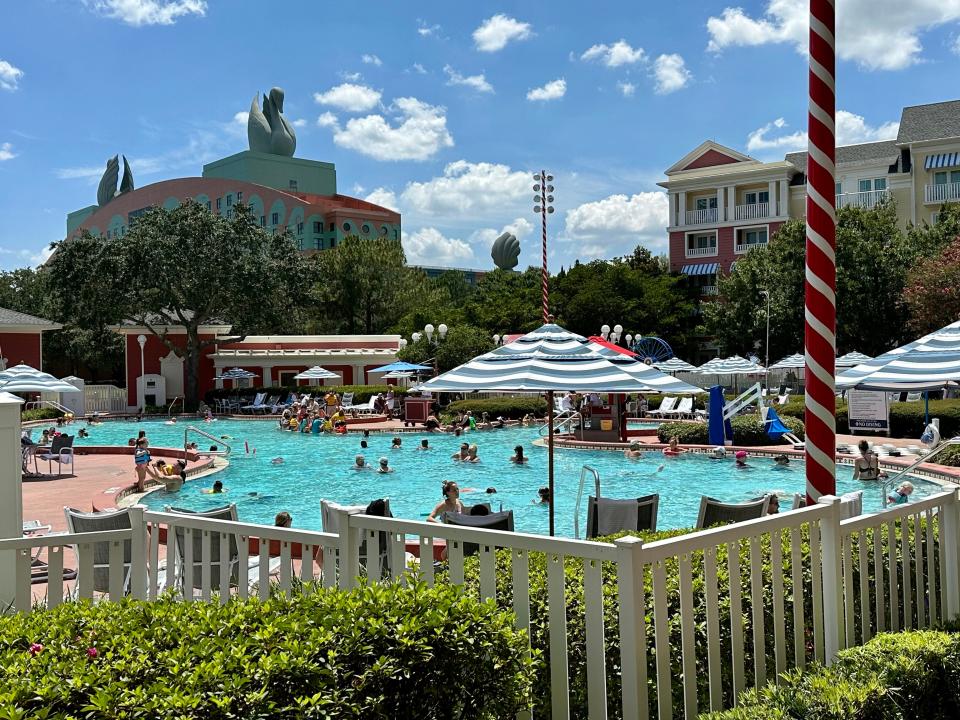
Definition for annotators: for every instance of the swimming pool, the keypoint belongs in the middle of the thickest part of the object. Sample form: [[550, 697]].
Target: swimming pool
[[318, 467]]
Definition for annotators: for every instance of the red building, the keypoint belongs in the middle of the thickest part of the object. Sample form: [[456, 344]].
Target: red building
[[21, 338]]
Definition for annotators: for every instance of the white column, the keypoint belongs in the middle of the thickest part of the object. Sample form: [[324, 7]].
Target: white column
[[11, 492], [682, 210], [358, 375], [784, 198], [672, 198], [772, 193], [731, 202], [720, 204], [266, 374]]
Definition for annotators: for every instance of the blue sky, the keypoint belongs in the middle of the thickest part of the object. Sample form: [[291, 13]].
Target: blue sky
[[442, 109]]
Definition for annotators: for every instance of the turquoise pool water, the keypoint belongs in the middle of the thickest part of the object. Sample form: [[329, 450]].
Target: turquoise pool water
[[318, 467], [642, 424]]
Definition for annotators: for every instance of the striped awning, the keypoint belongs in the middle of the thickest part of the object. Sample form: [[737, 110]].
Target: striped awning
[[930, 363], [653, 378], [942, 160], [793, 362], [23, 378], [852, 359], [549, 358], [673, 365], [700, 269], [735, 365]]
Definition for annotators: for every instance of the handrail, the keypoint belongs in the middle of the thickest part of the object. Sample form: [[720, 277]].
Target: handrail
[[567, 417], [219, 441], [892, 479], [576, 509], [33, 404], [174, 402]]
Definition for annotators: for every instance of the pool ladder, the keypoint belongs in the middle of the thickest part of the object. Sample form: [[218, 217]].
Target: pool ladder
[[584, 472], [218, 441], [892, 480]]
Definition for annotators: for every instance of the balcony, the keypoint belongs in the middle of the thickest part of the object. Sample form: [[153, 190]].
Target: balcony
[[699, 217], [695, 252], [752, 211], [741, 247], [708, 290], [945, 192], [864, 200]]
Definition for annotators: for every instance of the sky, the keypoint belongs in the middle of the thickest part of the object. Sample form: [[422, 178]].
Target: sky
[[442, 110]]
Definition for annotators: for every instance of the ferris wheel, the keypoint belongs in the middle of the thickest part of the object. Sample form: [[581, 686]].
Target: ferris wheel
[[651, 349]]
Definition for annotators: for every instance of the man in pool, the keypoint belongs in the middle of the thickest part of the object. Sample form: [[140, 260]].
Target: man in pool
[[463, 453], [360, 463], [384, 466], [781, 460], [424, 444], [215, 490], [633, 452]]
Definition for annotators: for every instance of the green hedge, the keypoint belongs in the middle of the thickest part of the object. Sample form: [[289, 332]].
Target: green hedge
[[376, 652], [512, 408], [906, 418], [902, 675], [361, 393], [40, 414], [747, 430]]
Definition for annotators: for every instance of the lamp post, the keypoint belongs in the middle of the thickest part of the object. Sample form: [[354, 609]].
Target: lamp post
[[141, 340], [428, 331], [766, 365], [543, 200]]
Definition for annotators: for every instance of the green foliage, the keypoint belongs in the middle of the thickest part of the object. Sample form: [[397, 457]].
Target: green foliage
[[511, 408], [908, 674], [383, 651], [462, 344], [361, 393], [505, 302], [747, 430], [907, 419], [40, 414], [933, 292]]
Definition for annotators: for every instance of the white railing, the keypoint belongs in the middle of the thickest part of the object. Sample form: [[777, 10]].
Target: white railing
[[699, 217], [867, 199], [752, 211], [944, 192], [742, 247], [709, 251], [709, 290], [104, 398], [752, 600]]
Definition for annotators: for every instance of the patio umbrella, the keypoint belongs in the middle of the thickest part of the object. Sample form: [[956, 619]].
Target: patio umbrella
[[792, 362], [23, 378], [398, 374], [236, 374], [852, 359], [655, 380], [673, 365], [735, 365], [547, 359], [400, 366], [316, 373]]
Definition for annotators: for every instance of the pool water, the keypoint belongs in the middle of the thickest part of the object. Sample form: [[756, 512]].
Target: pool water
[[642, 424], [319, 467]]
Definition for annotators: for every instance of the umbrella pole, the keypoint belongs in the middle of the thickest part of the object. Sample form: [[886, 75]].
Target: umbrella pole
[[926, 408], [550, 455]]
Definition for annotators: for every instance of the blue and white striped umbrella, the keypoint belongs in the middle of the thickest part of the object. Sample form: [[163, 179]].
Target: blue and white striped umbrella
[[236, 374], [793, 362], [655, 380], [852, 359], [549, 358], [735, 365], [673, 365], [23, 379], [316, 373], [930, 363]]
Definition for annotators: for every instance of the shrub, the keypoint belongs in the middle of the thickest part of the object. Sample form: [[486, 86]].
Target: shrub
[[361, 393], [948, 456], [747, 430], [906, 418], [383, 651], [909, 674], [40, 414], [509, 407]]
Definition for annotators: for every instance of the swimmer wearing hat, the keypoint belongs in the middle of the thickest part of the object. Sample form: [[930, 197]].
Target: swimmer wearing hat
[[741, 458]]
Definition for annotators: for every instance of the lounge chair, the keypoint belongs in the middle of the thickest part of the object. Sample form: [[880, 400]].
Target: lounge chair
[[607, 515], [494, 521], [347, 399], [257, 403], [60, 452], [329, 519], [683, 409], [714, 512], [666, 407], [366, 408]]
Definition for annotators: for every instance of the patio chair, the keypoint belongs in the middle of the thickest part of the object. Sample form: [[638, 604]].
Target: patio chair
[[364, 409], [229, 564], [60, 452], [683, 409], [715, 512], [494, 521], [330, 522], [666, 407], [347, 400], [257, 403], [606, 516]]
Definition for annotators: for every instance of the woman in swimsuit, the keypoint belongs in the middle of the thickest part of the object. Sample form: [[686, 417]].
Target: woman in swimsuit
[[141, 462], [867, 466], [451, 501]]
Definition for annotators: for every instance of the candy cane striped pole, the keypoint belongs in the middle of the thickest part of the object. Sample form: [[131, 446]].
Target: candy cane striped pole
[[545, 276], [820, 316]]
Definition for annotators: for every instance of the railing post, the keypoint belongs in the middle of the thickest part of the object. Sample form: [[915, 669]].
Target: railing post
[[348, 552], [950, 536], [138, 554], [832, 572], [633, 641], [11, 492]]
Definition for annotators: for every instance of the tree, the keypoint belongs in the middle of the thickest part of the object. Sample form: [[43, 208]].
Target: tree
[[933, 291], [462, 344], [506, 301], [184, 267]]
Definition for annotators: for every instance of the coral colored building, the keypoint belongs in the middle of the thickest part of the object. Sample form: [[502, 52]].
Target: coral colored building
[[21, 338]]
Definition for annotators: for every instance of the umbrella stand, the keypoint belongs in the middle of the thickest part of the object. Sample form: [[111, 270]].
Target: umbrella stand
[[550, 455]]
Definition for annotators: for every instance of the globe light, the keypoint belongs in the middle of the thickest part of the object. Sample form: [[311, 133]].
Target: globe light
[[496, 339], [442, 329], [536, 208], [416, 337], [428, 331], [604, 331], [629, 339], [402, 343], [618, 329]]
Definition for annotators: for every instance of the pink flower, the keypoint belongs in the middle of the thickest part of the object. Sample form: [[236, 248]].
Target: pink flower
[[92, 652], [36, 648]]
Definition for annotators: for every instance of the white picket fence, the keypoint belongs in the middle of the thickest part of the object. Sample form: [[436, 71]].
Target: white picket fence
[[104, 399], [811, 584]]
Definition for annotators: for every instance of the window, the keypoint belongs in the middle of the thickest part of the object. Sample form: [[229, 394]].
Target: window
[[709, 203], [755, 237], [300, 244], [239, 196], [229, 200], [838, 188], [383, 231], [317, 226], [756, 197], [942, 178], [263, 221], [293, 184], [208, 204], [219, 200], [229, 212], [874, 184], [275, 219], [319, 243], [365, 229], [300, 229], [701, 242], [333, 242], [347, 227], [332, 227]]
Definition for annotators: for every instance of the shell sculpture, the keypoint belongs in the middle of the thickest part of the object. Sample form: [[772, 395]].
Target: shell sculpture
[[107, 189], [506, 251]]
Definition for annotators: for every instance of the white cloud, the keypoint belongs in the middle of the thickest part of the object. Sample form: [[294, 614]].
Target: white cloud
[[327, 119], [428, 246], [9, 76], [370, 59], [349, 97], [671, 74], [876, 34], [521, 227], [358, 189], [419, 135], [384, 198], [627, 88], [495, 32], [618, 223], [553, 90], [469, 190], [615, 55], [148, 12], [956, 45], [6, 152], [419, 69], [759, 139], [299, 123], [477, 82], [427, 30], [851, 129], [351, 76]]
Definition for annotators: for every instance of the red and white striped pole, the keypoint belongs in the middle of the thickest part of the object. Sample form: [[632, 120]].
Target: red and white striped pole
[[820, 316], [544, 276]]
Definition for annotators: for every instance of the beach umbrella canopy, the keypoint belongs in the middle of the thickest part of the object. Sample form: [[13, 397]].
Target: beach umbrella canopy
[[23, 378], [852, 359], [397, 374], [673, 365], [735, 365], [400, 366], [793, 362], [236, 374], [655, 380], [930, 363], [316, 373]]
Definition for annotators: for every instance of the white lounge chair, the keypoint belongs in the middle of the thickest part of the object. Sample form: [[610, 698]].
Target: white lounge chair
[[256, 404], [683, 409], [364, 409], [666, 407]]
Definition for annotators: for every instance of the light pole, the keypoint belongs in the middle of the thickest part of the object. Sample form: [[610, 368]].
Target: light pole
[[543, 198], [428, 332], [766, 294], [141, 340]]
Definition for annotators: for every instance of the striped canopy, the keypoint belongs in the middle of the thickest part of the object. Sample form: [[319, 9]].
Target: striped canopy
[[236, 374], [735, 365], [674, 364], [23, 378], [654, 379], [852, 359], [549, 358], [930, 363], [316, 373], [793, 362]]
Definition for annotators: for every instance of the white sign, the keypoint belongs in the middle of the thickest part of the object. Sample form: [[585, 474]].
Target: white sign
[[868, 410]]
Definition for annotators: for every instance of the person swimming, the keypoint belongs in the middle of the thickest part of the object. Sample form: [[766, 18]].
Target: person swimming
[[215, 490], [424, 444], [633, 452], [781, 460], [360, 463], [718, 453], [741, 458], [384, 466], [277, 461]]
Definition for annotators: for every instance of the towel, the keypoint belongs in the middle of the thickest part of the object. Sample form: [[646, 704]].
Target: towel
[[328, 515], [616, 515], [851, 504]]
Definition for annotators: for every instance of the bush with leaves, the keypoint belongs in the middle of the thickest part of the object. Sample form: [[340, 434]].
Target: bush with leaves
[[384, 651], [747, 430], [361, 393], [40, 414], [511, 408]]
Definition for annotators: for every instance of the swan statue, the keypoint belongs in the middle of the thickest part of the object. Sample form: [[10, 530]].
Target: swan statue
[[107, 189], [267, 130]]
